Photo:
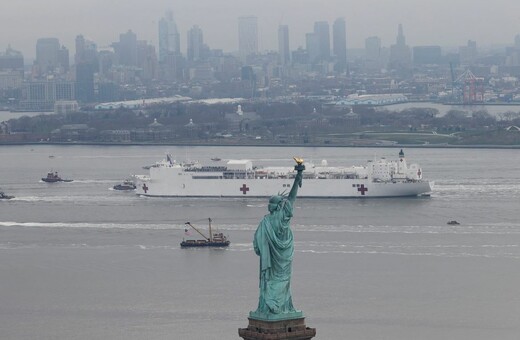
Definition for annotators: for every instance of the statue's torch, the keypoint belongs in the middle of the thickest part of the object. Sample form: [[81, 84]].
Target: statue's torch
[[299, 167]]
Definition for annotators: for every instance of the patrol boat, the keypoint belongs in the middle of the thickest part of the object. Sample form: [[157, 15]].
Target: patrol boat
[[239, 178], [5, 196], [53, 177]]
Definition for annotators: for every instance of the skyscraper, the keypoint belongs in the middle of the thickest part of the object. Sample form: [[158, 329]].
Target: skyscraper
[[373, 48], [373, 53], [85, 81], [400, 54], [247, 36], [339, 45], [283, 45], [11, 60], [321, 29], [147, 60], [47, 54], [86, 50], [169, 38], [312, 44], [195, 44], [126, 49], [86, 64], [468, 53], [11, 72]]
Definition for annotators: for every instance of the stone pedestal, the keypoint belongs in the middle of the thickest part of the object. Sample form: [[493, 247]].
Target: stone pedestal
[[293, 329]]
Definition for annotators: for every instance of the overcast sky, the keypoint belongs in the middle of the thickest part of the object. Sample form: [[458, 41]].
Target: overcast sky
[[440, 22]]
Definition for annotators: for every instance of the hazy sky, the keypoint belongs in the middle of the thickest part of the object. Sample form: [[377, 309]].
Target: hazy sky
[[440, 22]]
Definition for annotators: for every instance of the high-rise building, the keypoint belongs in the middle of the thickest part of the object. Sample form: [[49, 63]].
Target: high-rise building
[[85, 81], [312, 44], [321, 29], [373, 48], [513, 53], [247, 36], [126, 49], [47, 54], [400, 54], [339, 45], [373, 53], [169, 37], [106, 60], [63, 59], [468, 53], [195, 44], [300, 56], [11, 73], [283, 45], [86, 50], [147, 60], [11, 60], [86, 65]]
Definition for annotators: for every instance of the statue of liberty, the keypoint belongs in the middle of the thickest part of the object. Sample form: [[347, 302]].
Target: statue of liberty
[[273, 242]]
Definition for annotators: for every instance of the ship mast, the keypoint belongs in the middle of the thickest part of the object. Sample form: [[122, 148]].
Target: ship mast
[[210, 233], [188, 223]]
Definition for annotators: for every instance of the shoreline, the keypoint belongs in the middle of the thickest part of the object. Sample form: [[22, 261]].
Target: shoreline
[[429, 146]]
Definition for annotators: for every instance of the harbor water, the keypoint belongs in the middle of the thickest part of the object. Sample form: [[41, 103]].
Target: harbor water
[[81, 261]]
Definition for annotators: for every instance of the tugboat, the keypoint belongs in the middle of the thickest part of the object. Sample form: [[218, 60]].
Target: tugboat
[[214, 239], [4, 196], [125, 186], [52, 177]]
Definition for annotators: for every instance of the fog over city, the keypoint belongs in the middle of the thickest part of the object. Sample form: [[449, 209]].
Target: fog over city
[[446, 23]]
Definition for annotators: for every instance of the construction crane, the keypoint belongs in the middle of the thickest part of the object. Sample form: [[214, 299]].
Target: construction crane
[[452, 81], [472, 88]]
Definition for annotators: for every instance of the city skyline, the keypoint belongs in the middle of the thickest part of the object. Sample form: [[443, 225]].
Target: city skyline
[[440, 23]]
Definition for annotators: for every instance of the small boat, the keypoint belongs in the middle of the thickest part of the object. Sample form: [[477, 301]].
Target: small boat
[[214, 239], [53, 177], [4, 196], [216, 159], [453, 222], [126, 185]]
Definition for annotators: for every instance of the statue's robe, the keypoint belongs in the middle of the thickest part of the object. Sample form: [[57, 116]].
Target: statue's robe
[[273, 242]]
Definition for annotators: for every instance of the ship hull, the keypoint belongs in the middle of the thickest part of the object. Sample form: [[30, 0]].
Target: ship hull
[[200, 244], [53, 180], [164, 185]]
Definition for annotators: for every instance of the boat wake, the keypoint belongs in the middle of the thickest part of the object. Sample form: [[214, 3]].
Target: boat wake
[[89, 181], [155, 226], [417, 252], [76, 199]]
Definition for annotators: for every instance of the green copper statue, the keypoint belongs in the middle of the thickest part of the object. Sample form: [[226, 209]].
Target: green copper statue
[[274, 244]]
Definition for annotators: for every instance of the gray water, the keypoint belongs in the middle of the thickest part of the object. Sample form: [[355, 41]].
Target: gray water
[[81, 261]]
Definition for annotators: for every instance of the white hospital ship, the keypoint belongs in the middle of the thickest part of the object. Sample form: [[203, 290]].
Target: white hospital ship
[[239, 178]]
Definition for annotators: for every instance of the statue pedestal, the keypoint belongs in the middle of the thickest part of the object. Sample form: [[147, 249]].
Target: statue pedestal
[[293, 329]]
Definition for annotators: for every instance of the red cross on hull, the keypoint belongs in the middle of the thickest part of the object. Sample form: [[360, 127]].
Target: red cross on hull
[[244, 188], [362, 189]]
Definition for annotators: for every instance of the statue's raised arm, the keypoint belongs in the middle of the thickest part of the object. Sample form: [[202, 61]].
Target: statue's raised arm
[[299, 167]]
